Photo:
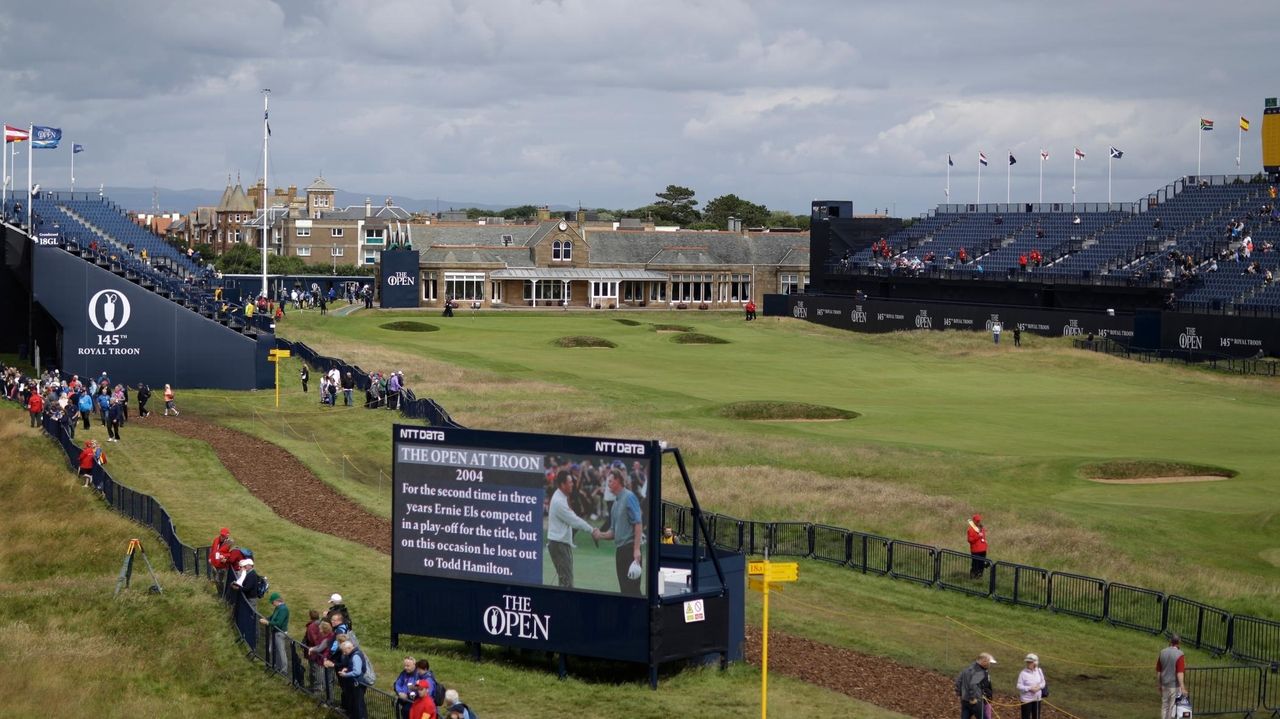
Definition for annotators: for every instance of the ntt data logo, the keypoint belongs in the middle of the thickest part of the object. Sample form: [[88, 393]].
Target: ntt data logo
[[515, 618], [109, 310]]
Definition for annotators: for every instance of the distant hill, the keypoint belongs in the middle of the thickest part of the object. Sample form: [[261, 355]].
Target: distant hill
[[140, 199]]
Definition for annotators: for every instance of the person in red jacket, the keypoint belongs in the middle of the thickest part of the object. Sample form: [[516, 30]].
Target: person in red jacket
[[977, 546], [35, 406], [87, 461], [750, 309], [220, 550]]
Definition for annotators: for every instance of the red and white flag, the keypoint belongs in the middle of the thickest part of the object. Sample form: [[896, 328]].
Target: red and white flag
[[1079, 154], [1044, 155], [14, 134]]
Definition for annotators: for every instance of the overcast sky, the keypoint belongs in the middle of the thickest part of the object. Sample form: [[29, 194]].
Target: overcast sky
[[605, 102]]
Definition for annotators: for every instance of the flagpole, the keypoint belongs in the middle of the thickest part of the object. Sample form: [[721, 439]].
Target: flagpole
[[948, 190], [1041, 200], [73, 170], [266, 134], [1239, 143], [4, 176], [1111, 156], [1008, 178], [1075, 157], [31, 134], [979, 200], [1199, 146]]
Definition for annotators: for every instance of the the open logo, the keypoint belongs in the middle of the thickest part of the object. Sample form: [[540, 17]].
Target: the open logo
[[109, 310]]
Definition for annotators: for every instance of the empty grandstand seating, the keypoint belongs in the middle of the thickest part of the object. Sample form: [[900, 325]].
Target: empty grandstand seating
[[1144, 244]]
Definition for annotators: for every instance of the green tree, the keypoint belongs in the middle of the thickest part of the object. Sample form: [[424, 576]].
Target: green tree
[[719, 210], [786, 219], [523, 212], [676, 204], [241, 259]]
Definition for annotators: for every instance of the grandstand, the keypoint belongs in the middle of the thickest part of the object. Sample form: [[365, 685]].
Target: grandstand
[[1187, 239]]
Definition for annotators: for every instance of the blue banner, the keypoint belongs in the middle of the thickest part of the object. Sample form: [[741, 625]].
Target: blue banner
[[77, 148], [45, 138]]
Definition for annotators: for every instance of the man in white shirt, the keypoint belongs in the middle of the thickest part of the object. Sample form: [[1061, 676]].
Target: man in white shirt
[[561, 521]]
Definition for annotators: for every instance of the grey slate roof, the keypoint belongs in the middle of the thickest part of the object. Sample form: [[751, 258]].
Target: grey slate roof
[[698, 248], [454, 255], [490, 235], [356, 212], [575, 273], [319, 185]]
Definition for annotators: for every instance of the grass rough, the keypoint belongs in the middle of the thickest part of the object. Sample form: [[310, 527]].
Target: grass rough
[[1142, 469], [697, 338], [670, 328], [629, 323], [409, 326], [583, 341]]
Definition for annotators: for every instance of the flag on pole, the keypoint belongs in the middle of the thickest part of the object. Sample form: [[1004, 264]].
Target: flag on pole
[[266, 118], [1044, 155], [982, 158], [1012, 160], [1117, 154], [13, 134], [950, 162], [1244, 123], [1079, 154], [45, 138], [77, 148], [1206, 125]]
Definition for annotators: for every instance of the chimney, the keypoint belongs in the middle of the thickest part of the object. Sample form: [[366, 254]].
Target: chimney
[[582, 217], [544, 213], [368, 207], [735, 224]]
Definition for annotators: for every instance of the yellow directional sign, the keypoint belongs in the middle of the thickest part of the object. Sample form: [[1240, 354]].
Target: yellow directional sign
[[761, 577], [756, 584], [275, 356], [783, 572], [756, 567]]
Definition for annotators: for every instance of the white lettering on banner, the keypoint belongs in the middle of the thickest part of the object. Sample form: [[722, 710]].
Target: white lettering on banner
[[824, 311], [1072, 328], [881, 316], [1189, 340], [433, 435], [991, 323], [800, 311], [402, 279], [948, 321], [924, 321], [1244, 342], [516, 618], [1030, 326], [858, 316], [619, 448]]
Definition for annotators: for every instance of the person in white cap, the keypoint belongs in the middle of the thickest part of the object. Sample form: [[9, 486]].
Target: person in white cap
[[336, 605], [973, 687], [1031, 686]]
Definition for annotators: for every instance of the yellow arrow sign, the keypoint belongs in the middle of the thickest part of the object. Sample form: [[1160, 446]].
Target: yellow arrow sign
[[757, 585], [280, 353], [784, 572]]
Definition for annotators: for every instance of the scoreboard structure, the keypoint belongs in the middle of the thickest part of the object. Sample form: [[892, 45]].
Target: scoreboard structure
[[473, 558], [1271, 137]]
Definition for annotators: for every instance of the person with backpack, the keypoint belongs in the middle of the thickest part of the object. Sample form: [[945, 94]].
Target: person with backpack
[[407, 688], [355, 676], [455, 709], [86, 407]]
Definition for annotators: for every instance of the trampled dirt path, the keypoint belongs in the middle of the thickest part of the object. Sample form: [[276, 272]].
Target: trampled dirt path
[[294, 493]]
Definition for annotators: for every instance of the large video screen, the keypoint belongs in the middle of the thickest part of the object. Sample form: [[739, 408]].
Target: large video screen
[[521, 509]]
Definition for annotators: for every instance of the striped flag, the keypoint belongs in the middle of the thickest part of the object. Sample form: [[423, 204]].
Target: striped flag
[[1206, 125], [1244, 123], [13, 134], [982, 158], [1079, 154]]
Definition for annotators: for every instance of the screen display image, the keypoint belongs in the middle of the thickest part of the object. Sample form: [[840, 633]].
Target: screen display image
[[539, 518]]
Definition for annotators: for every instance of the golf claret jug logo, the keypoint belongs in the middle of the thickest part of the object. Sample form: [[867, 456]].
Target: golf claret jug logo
[[515, 618], [401, 279], [109, 310], [800, 311]]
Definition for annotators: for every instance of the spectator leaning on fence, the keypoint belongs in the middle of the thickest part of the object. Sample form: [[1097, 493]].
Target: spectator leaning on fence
[[455, 709], [279, 623], [1171, 667]]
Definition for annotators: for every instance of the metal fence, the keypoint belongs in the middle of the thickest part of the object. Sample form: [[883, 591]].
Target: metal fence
[[293, 665], [1147, 610]]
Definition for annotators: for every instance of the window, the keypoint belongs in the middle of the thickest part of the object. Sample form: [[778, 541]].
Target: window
[[322, 201], [790, 283], [304, 232], [464, 285], [555, 251], [239, 236], [739, 288], [604, 289], [370, 257], [566, 251], [657, 291], [335, 232], [336, 251], [304, 252], [429, 286], [633, 291], [507, 240], [691, 288], [495, 291], [547, 290], [373, 237]]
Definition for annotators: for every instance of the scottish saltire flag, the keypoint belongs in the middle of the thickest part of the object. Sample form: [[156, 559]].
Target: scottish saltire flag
[[1244, 123], [1079, 154], [1117, 154], [950, 163], [982, 158], [14, 134], [1044, 155], [1206, 125], [77, 148], [45, 138], [1012, 160]]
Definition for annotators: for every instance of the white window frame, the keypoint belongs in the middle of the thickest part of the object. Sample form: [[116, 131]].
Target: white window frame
[[302, 231], [374, 237], [370, 257], [495, 290], [336, 251], [464, 285], [303, 250], [555, 251], [566, 251], [335, 232], [547, 290], [429, 286], [789, 283]]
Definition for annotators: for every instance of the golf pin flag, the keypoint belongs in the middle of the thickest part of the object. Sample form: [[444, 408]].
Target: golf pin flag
[[982, 158], [1244, 123], [1206, 125]]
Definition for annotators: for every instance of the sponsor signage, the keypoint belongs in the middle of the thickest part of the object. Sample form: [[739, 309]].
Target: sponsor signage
[[400, 279], [48, 238]]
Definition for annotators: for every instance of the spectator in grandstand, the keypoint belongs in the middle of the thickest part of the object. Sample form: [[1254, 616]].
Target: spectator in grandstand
[[1171, 667], [169, 406], [278, 624], [455, 709], [627, 533], [1022, 262], [973, 687], [1075, 220], [977, 536], [144, 396], [561, 521], [1031, 686]]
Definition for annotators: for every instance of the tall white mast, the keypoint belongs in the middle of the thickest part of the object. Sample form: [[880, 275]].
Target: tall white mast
[[266, 136]]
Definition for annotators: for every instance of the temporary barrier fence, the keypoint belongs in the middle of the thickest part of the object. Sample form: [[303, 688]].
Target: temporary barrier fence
[[1020, 584]]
